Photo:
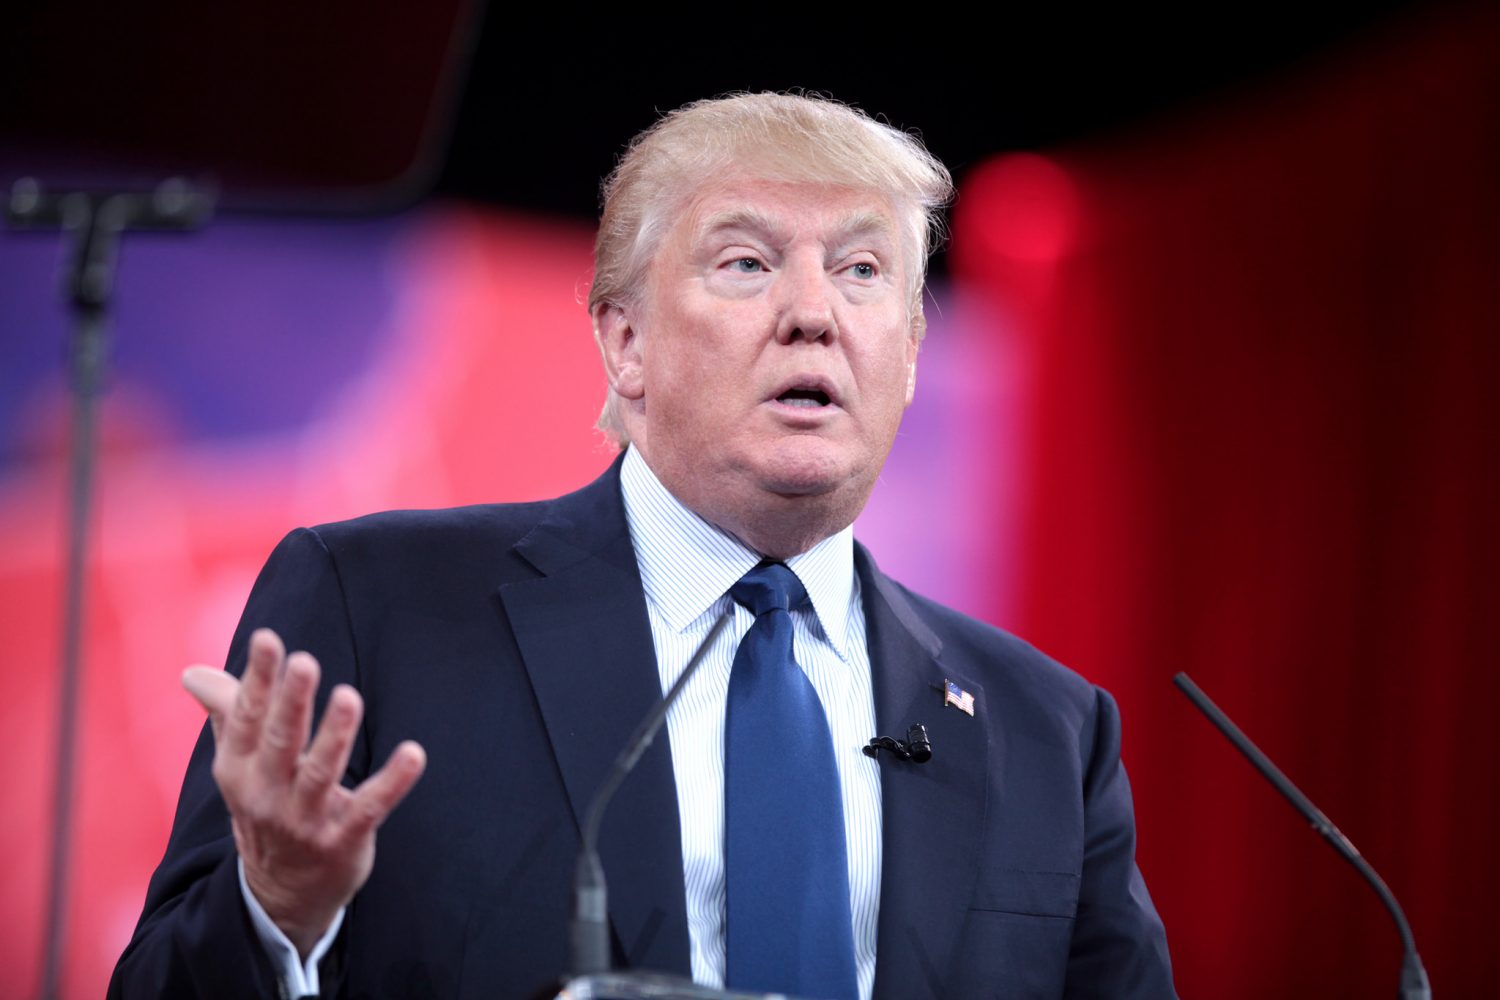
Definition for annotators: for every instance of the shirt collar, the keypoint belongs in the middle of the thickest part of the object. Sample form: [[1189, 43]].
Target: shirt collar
[[687, 564]]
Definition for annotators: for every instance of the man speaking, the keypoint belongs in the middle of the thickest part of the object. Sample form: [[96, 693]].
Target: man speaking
[[394, 811]]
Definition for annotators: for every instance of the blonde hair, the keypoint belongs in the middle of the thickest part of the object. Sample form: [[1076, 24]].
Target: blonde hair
[[781, 137]]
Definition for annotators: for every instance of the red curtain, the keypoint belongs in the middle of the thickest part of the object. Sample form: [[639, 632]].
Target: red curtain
[[1263, 450]]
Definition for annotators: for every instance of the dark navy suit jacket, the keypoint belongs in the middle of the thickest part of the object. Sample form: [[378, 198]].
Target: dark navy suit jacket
[[513, 642]]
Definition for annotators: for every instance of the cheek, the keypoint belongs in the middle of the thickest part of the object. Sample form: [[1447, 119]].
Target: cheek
[[891, 393]]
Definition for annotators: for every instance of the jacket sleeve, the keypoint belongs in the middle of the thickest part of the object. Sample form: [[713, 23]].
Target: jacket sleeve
[[1119, 947], [195, 937]]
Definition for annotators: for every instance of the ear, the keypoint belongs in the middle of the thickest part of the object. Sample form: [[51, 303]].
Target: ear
[[620, 347], [913, 343]]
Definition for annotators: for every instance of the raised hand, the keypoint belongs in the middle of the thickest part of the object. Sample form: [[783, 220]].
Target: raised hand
[[306, 841]]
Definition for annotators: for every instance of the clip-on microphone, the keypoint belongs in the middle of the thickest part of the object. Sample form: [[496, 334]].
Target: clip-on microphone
[[916, 748]]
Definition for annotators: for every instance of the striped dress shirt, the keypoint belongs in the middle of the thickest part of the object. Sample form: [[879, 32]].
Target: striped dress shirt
[[687, 567]]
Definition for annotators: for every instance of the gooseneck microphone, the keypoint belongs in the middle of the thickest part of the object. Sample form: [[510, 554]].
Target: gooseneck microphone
[[1414, 985], [590, 926]]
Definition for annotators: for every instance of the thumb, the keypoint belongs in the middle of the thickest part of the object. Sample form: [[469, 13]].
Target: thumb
[[212, 688]]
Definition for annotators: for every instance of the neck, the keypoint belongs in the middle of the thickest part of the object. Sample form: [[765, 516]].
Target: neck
[[776, 525], [783, 527]]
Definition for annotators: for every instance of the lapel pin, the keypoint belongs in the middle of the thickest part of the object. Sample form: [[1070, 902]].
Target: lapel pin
[[957, 697]]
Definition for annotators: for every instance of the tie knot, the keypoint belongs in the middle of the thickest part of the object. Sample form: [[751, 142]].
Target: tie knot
[[768, 587]]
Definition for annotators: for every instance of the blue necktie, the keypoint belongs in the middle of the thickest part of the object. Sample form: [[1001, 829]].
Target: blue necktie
[[785, 864]]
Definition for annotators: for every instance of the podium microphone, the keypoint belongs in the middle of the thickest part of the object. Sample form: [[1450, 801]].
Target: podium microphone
[[590, 925], [1414, 985]]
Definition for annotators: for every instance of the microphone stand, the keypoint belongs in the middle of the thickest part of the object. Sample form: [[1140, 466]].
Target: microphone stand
[[591, 976], [93, 223], [589, 931], [1414, 983]]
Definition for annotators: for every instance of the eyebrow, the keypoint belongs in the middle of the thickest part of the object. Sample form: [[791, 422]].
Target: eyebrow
[[848, 229]]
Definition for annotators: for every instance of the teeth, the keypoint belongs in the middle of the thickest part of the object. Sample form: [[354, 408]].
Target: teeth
[[804, 397]]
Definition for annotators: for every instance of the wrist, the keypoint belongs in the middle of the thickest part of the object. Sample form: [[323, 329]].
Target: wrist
[[303, 925]]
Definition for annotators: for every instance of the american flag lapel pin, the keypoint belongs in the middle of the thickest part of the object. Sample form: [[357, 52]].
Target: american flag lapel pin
[[957, 697]]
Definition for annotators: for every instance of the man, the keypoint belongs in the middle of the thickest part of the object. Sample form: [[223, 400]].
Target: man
[[757, 304]]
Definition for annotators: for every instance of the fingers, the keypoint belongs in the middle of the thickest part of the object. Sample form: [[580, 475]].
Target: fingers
[[373, 800], [326, 760], [242, 726], [286, 727], [262, 722], [266, 714]]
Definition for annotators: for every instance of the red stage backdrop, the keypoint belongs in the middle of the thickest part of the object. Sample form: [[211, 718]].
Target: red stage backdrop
[[1264, 451]]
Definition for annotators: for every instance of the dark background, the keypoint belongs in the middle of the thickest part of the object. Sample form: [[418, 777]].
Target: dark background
[[381, 104]]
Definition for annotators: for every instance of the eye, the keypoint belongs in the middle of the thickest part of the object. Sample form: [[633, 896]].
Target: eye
[[864, 270], [746, 265]]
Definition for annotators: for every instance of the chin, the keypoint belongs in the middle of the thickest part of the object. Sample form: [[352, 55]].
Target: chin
[[806, 469]]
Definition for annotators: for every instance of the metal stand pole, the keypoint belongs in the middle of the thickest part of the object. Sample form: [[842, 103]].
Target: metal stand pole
[[93, 223]]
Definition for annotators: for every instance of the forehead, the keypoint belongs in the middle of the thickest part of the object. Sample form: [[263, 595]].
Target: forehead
[[779, 211]]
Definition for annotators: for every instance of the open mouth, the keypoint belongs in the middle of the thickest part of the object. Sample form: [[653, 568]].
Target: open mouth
[[808, 398]]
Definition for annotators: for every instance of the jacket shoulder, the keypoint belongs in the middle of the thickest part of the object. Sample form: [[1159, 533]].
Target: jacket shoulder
[[1008, 666], [492, 534], [501, 524]]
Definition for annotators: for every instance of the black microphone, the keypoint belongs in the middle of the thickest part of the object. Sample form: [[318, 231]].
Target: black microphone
[[1414, 985], [918, 744], [916, 748], [590, 925]]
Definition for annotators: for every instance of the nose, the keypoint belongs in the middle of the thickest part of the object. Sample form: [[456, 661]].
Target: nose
[[805, 303]]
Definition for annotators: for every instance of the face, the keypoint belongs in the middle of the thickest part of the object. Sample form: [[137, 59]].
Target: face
[[768, 364]]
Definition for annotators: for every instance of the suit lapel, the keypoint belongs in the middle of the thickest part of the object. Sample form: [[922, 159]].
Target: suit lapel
[[584, 633], [932, 813], [594, 676]]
